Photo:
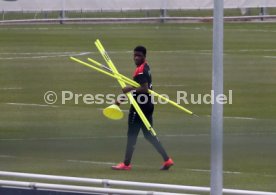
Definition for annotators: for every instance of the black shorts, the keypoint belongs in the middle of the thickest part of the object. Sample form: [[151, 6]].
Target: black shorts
[[147, 109], [134, 118]]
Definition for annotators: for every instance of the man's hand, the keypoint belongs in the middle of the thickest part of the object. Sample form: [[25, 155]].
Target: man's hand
[[118, 103], [128, 89]]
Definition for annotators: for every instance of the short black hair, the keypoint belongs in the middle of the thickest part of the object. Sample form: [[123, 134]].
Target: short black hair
[[141, 49]]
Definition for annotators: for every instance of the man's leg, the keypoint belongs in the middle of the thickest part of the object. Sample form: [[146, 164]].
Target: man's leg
[[133, 131], [134, 126], [154, 140]]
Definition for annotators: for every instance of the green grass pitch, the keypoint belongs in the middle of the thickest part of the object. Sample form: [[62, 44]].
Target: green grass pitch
[[76, 140]]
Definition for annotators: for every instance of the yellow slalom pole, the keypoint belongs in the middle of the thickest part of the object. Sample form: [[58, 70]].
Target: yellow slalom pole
[[172, 103], [129, 95], [115, 76], [135, 84], [128, 81], [95, 68]]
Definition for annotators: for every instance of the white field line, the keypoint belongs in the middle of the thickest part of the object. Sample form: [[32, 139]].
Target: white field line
[[253, 50], [11, 88], [252, 30], [27, 55], [273, 57], [39, 53], [124, 137], [92, 162], [113, 163], [25, 28], [44, 56], [38, 105], [236, 117], [106, 163], [7, 156], [67, 54], [71, 161], [61, 138], [206, 170], [240, 118]]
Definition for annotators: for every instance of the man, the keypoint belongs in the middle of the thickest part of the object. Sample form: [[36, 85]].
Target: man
[[142, 76]]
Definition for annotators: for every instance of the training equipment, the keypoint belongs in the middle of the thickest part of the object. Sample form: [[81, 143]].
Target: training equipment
[[121, 166], [113, 112], [167, 164], [122, 83], [135, 84], [128, 81]]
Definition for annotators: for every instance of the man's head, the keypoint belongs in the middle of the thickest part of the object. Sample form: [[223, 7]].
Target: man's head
[[140, 53]]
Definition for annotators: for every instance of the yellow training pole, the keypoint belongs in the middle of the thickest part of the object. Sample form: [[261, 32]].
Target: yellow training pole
[[115, 76], [135, 84], [128, 81], [129, 95], [95, 68]]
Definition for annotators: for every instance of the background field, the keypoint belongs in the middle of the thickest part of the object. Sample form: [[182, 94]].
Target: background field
[[76, 140]]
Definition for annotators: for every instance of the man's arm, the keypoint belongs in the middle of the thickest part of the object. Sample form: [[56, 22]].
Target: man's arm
[[142, 89]]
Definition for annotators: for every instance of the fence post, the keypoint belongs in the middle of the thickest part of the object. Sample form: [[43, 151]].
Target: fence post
[[62, 13], [163, 11], [263, 12], [106, 184], [163, 15]]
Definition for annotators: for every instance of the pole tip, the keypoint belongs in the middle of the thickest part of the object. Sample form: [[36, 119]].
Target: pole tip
[[196, 115]]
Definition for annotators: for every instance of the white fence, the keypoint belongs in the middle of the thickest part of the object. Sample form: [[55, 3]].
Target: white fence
[[77, 189], [107, 184], [96, 5]]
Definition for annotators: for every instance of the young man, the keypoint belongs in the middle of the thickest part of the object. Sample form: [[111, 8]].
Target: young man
[[142, 76]]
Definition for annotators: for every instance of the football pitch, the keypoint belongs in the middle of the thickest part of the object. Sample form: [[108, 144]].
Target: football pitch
[[75, 139]]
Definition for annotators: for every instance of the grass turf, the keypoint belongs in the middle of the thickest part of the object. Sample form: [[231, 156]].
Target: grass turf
[[76, 140]]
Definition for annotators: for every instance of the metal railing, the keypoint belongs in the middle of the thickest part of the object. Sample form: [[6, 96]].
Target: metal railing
[[108, 183], [139, 20]]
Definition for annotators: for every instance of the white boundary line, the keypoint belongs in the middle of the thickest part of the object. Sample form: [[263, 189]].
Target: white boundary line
[[273, 57], [67, 53], [236, 117], [38, 105], [240, 118], [92, 162], [7, 156], [45, 56], [11, 88], [113, 163], [140, 136], [105, 163]]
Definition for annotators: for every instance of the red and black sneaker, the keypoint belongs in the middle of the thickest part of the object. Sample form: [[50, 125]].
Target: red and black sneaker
[[167, 164], [121, 166]]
